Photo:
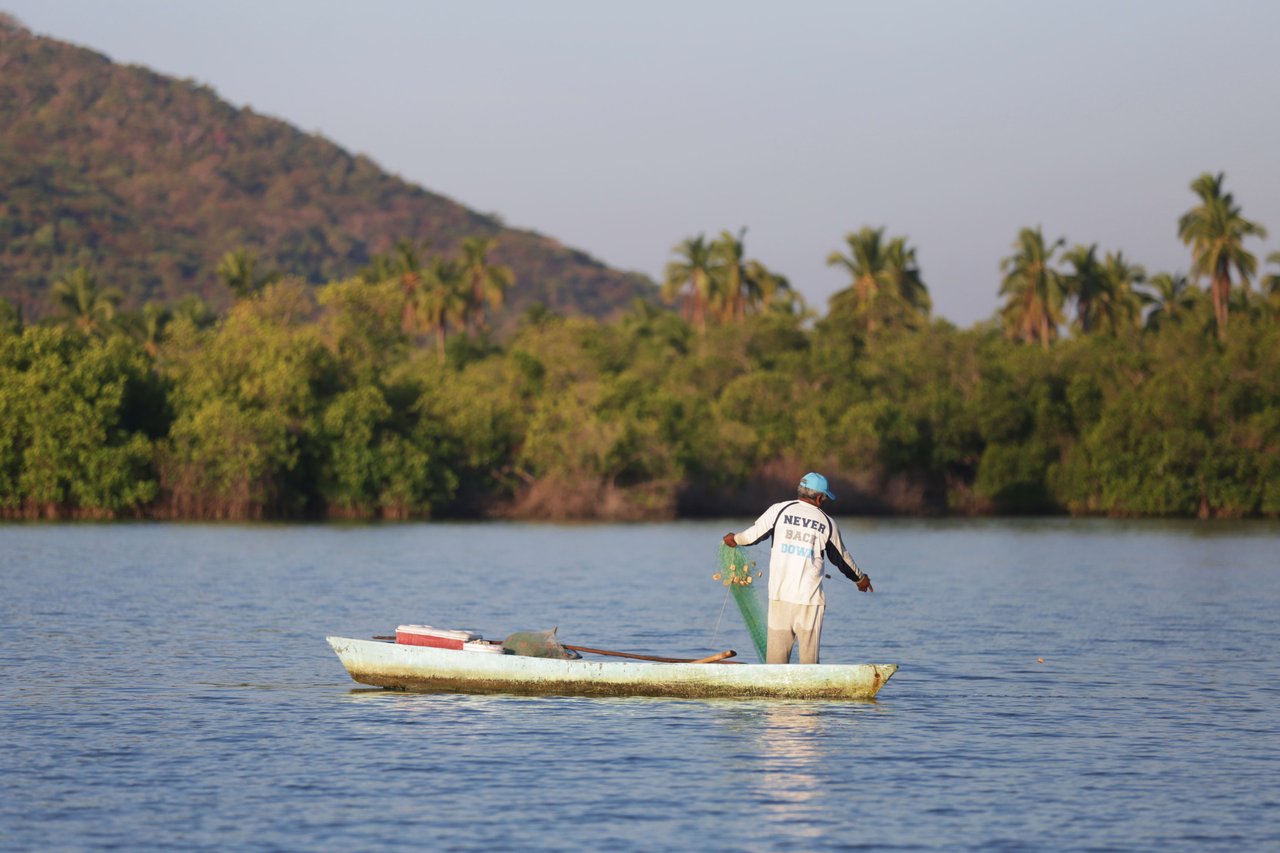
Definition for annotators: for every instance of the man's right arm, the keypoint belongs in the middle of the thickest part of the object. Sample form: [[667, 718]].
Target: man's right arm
[[763, 527]]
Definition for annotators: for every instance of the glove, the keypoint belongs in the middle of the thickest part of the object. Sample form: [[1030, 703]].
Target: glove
[[730, 541], [864, 583]]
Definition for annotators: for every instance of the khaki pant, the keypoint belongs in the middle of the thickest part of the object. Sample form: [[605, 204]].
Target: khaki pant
[[791, 623]]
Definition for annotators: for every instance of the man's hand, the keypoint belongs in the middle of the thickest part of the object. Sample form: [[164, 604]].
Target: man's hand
[[730, 541], [864, 583]]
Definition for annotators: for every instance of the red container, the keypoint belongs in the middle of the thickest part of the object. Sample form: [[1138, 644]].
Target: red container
[[440, 638]]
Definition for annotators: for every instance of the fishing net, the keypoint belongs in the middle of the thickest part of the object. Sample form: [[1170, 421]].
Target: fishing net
[[739, 574], [538, 644]]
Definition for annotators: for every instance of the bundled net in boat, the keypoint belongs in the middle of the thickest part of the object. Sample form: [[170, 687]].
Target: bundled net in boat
[[739, 574], [538, 644]]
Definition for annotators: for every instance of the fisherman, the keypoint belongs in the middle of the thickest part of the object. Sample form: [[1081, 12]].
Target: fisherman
[[802, 534]]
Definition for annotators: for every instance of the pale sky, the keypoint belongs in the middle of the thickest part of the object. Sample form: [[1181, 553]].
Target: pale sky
[[621, 129]]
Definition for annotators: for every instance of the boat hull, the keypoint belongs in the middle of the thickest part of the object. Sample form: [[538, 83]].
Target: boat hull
[[424, 668]]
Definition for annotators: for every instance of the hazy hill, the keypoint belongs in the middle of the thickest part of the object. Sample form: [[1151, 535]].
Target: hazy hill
[[149, 180]]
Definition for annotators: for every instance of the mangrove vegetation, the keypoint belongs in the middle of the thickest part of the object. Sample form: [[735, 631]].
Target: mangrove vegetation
[[1098, 388]]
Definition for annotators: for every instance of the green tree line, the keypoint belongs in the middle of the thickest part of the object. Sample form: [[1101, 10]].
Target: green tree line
[[1095, 390]]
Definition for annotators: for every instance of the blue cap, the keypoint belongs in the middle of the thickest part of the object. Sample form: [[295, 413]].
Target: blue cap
[[817, 483]]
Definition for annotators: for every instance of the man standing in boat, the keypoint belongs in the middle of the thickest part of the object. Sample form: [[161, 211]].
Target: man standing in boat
[[802, 535]]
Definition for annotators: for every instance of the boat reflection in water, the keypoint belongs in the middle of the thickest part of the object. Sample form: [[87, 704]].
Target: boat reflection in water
[[792, 768]]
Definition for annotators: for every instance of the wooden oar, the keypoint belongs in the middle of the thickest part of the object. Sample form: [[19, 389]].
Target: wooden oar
[[718, 657]]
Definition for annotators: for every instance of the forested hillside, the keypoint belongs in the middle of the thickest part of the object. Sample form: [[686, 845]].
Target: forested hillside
[[150, 181]]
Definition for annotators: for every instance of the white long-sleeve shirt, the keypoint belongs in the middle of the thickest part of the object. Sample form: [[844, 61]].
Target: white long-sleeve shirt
[[802, 535]]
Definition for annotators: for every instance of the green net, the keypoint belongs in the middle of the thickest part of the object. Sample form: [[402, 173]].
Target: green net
[[538, 644], [740, 574]]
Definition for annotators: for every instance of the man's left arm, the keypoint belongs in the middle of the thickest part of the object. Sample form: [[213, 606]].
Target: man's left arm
[[842, 560]]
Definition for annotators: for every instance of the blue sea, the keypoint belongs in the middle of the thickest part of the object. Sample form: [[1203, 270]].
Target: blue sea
[[1064, 685]]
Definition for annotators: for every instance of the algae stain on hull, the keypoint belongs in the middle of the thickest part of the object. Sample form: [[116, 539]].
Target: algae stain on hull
[[437, 670]]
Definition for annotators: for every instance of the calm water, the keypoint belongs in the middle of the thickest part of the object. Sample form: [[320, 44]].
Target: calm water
[[169, 685]]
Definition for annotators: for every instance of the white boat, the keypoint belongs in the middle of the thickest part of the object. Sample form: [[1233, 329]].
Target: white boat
[[425, 668]]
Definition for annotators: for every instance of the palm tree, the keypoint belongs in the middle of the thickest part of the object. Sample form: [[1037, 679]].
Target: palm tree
[[729, 277], [1174, 298], [149, 326], [911, 300], [1215, 231], [866, 265], [886, 286], [80, 300], [1032, 289], [1270, 285], [487, 283], [405, 266], [1084, 284], [1120, 306], [238, 270], [690, 276], [768, 290], [1272, 281], [406, 258], [442, 300]]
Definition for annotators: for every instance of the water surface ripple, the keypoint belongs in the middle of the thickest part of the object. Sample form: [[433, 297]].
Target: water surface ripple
[[169, 685]]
